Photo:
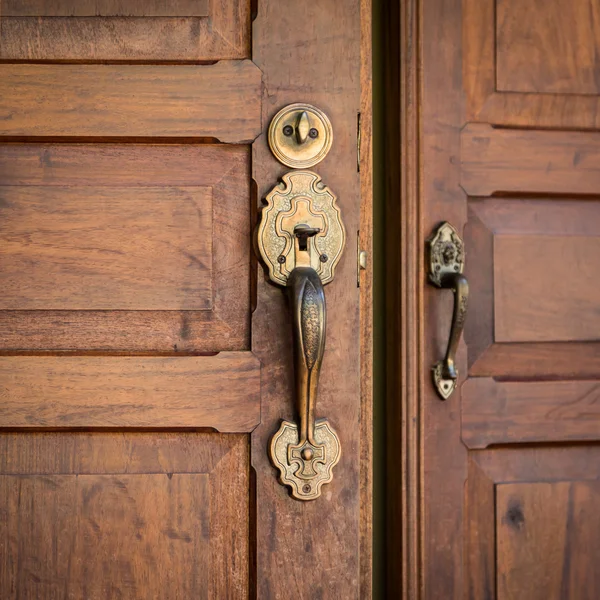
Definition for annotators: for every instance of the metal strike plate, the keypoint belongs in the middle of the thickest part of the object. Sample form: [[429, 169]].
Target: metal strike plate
[[300, 200], [300, 136]]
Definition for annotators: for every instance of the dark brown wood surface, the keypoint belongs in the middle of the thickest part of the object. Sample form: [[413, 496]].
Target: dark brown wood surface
[[221, 391], [104, 8], [498, 486], [222, 229], [219, 101], [136, 515], [222, 35]]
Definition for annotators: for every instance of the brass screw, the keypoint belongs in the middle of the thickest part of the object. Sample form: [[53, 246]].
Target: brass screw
[[313, 133], [288, 130], [281, 259], [323, 258]]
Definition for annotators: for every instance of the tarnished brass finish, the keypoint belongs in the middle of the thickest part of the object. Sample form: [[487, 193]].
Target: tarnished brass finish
[[446, 264], [300, 200], [305, 455], [300, 136], [300, 238]]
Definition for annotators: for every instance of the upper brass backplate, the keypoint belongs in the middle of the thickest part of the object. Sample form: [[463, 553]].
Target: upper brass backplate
[[300, 136], [301, 199], [446, 253]]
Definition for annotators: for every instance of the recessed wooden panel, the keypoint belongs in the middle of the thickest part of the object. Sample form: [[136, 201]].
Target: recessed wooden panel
[[546, 52], [220, 391], [136, 515], [548, 47], [546, 288], [125, 30], [531, 269], [110, 248], [496, 160], [548, 540], [104, 8], [220, 100], [506, 412], [191, 234], [101, 536]]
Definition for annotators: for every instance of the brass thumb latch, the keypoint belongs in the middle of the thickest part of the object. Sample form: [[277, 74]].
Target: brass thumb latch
[[300, 238], [446, 264]]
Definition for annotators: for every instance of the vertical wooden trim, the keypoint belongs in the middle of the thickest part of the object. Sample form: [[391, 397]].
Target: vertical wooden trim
[[366, 304], [403, 303]]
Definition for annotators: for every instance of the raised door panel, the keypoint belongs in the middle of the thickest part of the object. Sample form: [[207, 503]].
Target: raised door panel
[[124, 30], [125, 247], [532, 525], [532, 63], [139, 515]]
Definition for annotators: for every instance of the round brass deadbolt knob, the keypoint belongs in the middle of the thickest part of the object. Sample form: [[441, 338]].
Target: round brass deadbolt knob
[[300, 135]]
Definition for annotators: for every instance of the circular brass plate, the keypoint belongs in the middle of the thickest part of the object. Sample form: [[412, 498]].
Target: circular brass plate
[[286, 146]]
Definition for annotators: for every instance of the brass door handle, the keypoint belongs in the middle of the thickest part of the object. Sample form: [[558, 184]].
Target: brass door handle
[[446, 264], [300, 239]]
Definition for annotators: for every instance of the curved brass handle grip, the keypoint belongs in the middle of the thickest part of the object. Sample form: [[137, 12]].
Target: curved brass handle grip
[[445, 373], [305, 455], [446, 266]]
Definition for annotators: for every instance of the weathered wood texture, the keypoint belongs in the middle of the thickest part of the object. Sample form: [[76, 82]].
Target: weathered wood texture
[[531, 270], [548, 48], [157, 101], [104, 8], [50, 176], [220, 391], [165, 34], [534, 161], [146, 248], [501, 412], [139, 515], [365, 281], [531, 523], [320, 65], [547, 540], [561, 57]]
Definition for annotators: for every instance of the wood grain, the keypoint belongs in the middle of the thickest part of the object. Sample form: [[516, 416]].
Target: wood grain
[[531, 161], [532, 307], [223, 35], [485, 104], [157, 101], [220, 391], [104, 8], [547, 540], [505, 412], [100, 515], [103, 536], [133, 168], [66, 248], [548, 48]]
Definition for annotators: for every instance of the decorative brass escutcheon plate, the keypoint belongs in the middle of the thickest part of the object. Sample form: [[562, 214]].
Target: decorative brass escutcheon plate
[[300, 238], [300, 136]]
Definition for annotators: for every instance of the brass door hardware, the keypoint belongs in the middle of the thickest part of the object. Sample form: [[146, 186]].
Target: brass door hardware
[[300, 238], [446, 264], [300, 136]]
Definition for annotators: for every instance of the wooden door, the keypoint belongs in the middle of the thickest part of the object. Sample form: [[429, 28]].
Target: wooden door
[[145, 360], [503, 478]]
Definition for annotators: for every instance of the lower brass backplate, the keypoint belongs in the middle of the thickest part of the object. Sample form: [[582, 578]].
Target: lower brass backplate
[[305, 469]]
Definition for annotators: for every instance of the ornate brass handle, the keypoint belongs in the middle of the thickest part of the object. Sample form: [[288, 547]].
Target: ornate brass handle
[[300, 238], [446, 264]]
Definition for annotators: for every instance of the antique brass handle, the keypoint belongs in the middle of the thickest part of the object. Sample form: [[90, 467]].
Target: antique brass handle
[[300, 238], [446, 266]]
